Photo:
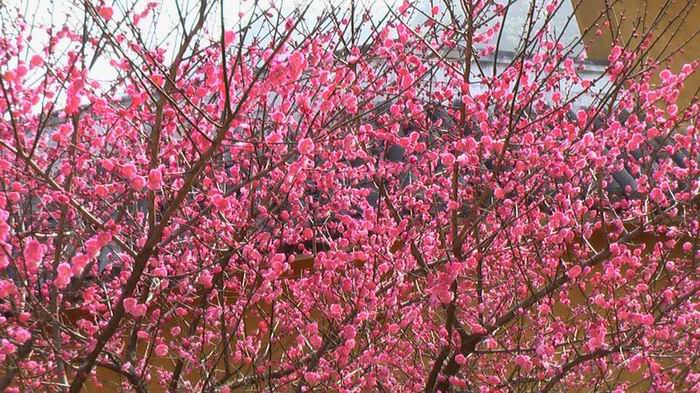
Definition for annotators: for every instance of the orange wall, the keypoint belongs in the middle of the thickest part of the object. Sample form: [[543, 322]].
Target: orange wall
[[673, 22]]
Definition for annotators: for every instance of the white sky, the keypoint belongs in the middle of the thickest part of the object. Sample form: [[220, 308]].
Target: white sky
[[165, 32]]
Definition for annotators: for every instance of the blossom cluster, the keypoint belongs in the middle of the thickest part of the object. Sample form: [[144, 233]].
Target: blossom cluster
[[306, 210]]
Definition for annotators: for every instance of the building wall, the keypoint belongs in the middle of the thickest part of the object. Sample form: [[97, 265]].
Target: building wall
[[674, 25]]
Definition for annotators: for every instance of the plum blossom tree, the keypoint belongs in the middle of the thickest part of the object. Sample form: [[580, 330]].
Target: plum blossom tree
[[261, 198]]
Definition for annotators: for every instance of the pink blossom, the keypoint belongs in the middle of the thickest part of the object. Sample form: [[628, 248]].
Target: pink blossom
[[657, 195], [138, 182], [7, 347], [33, 254], [36, 61], [155, 179], [9, 76], [278, 264], [297, 63], [336, 310], [205, 279], [101, 190], [161, 350], [21, 335], [499, 193], [7, 288], [132, 307], [106, 12], [635, 362], [229, 36], [93, 247], [311, 377], [574, 272], [306, 146], [582, 117], [349, 143], [524, 363], [64, 272], [129, 170], [316, 341], [448, 159]]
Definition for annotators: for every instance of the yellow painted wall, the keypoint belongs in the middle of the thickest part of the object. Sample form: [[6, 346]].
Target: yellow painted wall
[[674, 24]]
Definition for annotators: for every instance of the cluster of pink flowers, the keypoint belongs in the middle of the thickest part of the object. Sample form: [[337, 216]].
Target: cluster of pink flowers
[[283, 211]]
